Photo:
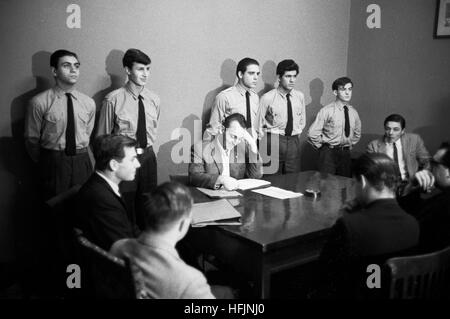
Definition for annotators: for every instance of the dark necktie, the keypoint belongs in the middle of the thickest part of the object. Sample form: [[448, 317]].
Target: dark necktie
[[347, 122], [141, 132], [71, 145], [249, 114], [288, 129], [396, 160]]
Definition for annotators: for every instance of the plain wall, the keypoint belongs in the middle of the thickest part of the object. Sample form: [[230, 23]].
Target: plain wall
[[194, 46], [400, 68]]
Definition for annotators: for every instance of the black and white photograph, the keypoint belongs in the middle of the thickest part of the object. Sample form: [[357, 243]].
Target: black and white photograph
[[249, 153]]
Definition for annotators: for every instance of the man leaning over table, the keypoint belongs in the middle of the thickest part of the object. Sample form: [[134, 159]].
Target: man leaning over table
[[221, 162]]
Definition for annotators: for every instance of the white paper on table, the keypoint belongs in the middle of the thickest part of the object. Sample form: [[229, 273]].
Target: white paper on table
[[219, 193], [214, 212], [249, 183], [277, 192]]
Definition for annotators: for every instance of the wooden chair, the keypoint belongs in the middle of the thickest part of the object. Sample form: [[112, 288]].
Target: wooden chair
[[104, 276], [420, 277]]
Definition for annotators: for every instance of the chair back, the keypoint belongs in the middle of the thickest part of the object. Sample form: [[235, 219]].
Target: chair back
[[105, 275], [420, 277]]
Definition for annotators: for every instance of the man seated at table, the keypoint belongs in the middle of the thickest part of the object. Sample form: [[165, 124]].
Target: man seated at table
[[102, 214], [158, 269], [432, 213], [230, 156], [406, 149], [372, 227]]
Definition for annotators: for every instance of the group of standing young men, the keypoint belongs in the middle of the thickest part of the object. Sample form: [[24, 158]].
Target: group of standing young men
[[60, 121], [278, 118]]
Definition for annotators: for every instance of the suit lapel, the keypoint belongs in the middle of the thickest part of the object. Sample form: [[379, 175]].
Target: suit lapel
[[382, 146], [109, 189]]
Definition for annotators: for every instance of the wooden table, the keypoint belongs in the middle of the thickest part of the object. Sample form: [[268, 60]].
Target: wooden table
[[275, 234]]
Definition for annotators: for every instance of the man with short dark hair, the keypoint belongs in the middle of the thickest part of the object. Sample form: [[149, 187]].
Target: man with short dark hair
[[432, 213], [281, 119], [231, 155], [157, 265], [336, 129], [102, 214], [59, 123], [406, 149], [372, 227], [240, 98], [134, 111]]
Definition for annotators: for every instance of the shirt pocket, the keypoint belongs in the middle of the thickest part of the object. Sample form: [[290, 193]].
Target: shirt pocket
[[124, 124], [54, 122], [271, 116], [151, 117], [83, 124]]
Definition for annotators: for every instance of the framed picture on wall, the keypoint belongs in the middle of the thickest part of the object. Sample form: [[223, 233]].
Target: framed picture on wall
[[442, 29]]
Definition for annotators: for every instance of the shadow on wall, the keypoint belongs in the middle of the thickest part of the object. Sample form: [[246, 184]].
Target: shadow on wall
[[433, 136], [269, 77], [18, 173], [181, 147], [228, 76], [117, 76], [310, 156]]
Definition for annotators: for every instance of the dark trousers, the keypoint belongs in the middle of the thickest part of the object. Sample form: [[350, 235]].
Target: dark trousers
[[145, 181], [288, 155], [335, 160], [59, 172]]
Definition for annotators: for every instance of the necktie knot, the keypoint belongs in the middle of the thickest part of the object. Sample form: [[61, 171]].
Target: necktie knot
[[140, 97]]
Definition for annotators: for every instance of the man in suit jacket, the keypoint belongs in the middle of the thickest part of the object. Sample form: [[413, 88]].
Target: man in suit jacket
[[102, 215], [406, 149], [230, 156], [433, 213], [372, 228]]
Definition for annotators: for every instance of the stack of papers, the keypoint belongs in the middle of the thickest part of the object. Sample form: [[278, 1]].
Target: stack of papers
[[277, 192], [219, 212], [219, 193], [249, 183]]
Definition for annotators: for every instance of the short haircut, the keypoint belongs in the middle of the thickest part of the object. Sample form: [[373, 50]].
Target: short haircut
[[287, 65], [167, 204], [396, 118], [379, 170], [235, 117], [54, 58], [446, 158], [108, 147], [244, 63], [135, 55], [341, 82]]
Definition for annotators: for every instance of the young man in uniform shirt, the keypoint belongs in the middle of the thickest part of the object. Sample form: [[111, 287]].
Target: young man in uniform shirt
[[240, 98], [59, 123], [281, 118], [134, 111], [336, 129]]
